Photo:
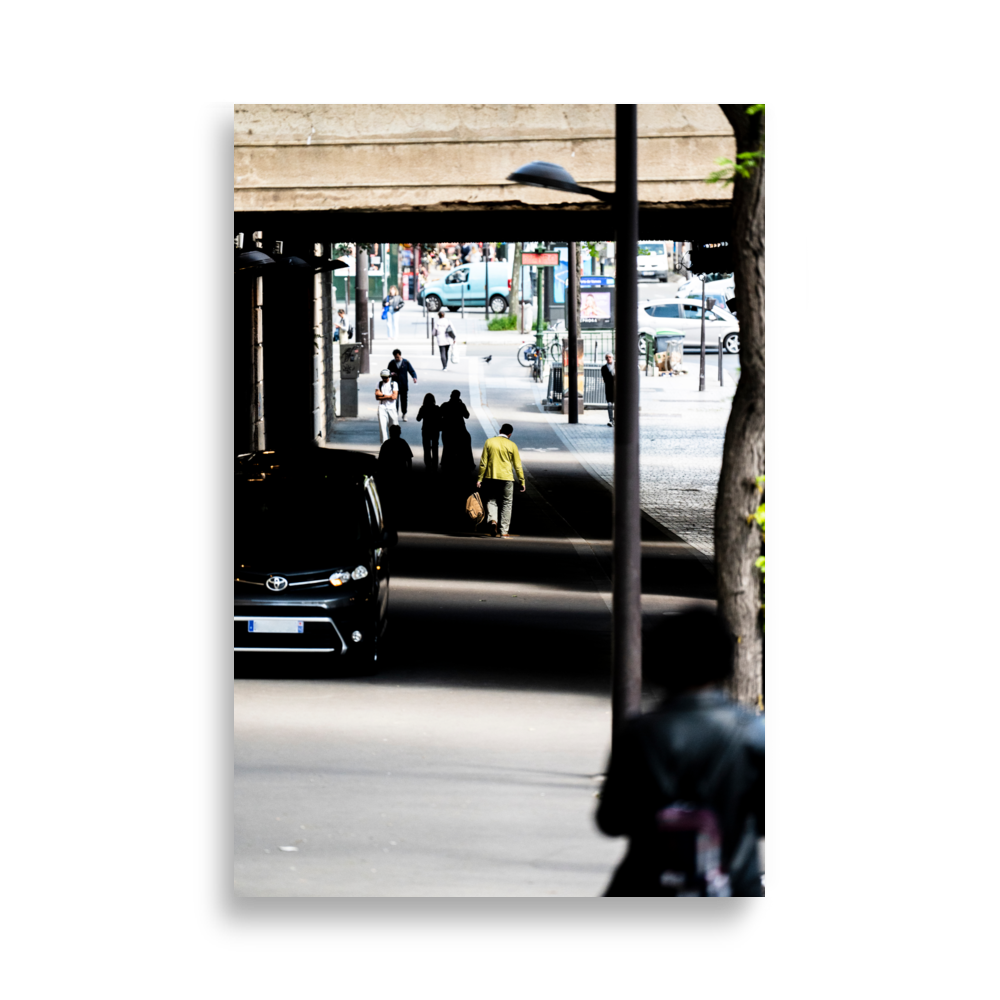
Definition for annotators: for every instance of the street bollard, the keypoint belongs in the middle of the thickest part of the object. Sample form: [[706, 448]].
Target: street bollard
[[463, 302], [720, 361]]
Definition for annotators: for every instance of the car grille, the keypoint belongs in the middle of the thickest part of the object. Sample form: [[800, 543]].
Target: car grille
[[307, 578]]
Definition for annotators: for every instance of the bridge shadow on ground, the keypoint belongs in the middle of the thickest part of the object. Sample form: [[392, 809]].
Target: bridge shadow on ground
[[530, 611]]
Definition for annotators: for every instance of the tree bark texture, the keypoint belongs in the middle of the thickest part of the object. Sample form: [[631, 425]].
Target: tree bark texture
[[738, 543], [515, 287]]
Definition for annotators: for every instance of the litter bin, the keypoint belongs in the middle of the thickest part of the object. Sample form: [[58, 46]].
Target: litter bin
[[669, 351]]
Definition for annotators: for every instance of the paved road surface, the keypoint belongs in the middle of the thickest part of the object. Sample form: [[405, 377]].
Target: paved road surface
[[467, 766]]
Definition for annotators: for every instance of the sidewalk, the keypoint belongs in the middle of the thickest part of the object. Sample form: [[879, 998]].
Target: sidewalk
[[681, 434], [681, 429]]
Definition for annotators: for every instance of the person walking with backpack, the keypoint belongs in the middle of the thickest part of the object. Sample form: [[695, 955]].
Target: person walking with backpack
[[385, 399], [444, 336], [401, 370], [391, 304], [685, 783], [499, 462]]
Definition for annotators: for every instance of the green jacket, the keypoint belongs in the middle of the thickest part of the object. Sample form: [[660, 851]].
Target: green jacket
[[500, 460]]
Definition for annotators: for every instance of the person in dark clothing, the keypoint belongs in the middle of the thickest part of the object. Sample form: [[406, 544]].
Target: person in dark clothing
[[685, 783], [608, 374], [429, 416], [395, 461], [401, 371], [457, 461]]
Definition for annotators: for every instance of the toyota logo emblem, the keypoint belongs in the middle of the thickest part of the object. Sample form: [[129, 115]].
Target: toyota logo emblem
[[276, 583]]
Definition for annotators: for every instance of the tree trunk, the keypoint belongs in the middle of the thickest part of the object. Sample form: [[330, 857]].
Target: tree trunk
[[515, 286], [737, 543]]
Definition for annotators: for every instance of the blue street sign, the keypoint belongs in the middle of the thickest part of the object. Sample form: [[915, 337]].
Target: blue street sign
[[597, 280]]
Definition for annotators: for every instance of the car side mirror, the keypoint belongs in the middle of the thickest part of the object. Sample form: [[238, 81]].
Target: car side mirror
[[390, 538]]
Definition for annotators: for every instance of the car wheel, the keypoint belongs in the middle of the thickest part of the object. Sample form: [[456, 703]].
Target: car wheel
[[433, 303], [663, 279], [498, 304], [731, 343]]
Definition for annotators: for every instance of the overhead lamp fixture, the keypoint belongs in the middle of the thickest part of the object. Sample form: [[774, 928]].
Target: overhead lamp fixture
[[252, 260], [291, 262], [541, 174]]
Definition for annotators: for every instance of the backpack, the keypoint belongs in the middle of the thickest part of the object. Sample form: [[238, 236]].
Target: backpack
[[689, 836]]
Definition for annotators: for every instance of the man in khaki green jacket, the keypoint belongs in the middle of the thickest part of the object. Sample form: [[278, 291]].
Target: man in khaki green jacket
[[500, 461]]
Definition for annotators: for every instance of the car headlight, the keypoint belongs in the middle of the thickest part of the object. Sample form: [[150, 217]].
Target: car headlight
[[360, 572], [339, 577]]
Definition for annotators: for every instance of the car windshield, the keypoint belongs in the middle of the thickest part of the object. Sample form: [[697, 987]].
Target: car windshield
[[651, 248], [306, 518]]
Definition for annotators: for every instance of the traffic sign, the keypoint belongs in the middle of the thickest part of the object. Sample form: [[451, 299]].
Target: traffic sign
[[540, 259]]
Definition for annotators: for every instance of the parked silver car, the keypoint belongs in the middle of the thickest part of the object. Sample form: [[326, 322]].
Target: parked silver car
[[684, 316]]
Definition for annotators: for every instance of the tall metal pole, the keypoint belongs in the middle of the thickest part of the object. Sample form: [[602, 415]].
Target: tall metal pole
[[573, 325], [486, 259], [626, 611], [361, 308], [701, 370]]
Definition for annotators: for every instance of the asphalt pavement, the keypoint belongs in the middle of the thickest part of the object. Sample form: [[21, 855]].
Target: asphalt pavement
[[469, 765]]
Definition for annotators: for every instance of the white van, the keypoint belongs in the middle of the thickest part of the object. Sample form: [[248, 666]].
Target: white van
[[653, 260], [468, 283]]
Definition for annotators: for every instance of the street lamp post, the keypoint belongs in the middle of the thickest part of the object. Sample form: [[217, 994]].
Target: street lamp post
[[573, 329], [701, 367], [626, 611]]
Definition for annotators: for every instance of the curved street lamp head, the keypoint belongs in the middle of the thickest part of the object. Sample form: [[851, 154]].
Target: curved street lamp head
[[538, 173], [252, 260], [541, 174]]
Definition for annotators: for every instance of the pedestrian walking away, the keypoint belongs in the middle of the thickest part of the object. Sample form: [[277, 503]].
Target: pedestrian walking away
[[385, 397], [391, 305], [395, 462], [444, 336], [685, 782], [401, 370], [429, 418], [608, 374], [498, 465], [457, 460]]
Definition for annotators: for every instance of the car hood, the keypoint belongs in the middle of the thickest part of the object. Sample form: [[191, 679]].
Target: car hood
[[292, 550]]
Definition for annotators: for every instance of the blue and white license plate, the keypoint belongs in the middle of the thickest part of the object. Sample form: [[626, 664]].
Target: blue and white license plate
[[284, 625]]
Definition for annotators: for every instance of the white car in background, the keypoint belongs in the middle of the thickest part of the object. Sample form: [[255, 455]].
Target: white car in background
[[714, 286], [684, 316], [653, 260]]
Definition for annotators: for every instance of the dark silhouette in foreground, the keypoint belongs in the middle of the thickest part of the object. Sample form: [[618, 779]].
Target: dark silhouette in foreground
[[429, 416], [685, 783], [395, 462]]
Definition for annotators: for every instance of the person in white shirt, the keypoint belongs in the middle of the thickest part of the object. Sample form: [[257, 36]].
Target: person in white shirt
[[385, 396], [444, 339]]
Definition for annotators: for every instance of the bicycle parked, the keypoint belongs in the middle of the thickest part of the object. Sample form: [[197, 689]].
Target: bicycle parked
[[526, 353]]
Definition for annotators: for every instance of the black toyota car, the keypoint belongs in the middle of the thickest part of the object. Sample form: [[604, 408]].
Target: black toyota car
[[311, 556]]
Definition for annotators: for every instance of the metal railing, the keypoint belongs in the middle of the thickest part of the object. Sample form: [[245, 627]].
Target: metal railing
[[593, 386]]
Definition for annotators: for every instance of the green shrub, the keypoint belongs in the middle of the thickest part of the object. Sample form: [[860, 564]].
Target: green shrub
[[508, 321]]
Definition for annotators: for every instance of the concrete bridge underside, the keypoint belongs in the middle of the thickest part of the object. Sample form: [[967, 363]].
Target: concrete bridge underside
[[375, 172]]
